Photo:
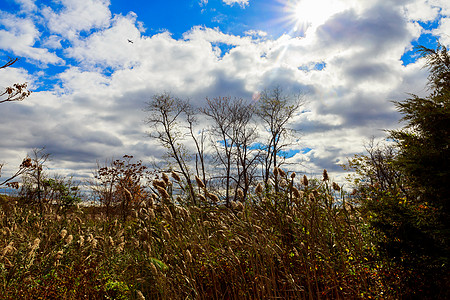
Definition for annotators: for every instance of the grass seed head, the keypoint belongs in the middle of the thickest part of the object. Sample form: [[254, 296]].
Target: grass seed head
[[162, 192], [165, 178], [188, 256], [175, 176], [120, 247], [35, 245], [7, 249], [295, 192], [139, 295], [159, 183], [153, 268], [167, 213], [63, 234], [59, 254], [259, 189], [275, 172], [305, 180], [200, 182], [214, 198], [201, 197], [336, 187], [69, 239], [325, 175], [240, 194]]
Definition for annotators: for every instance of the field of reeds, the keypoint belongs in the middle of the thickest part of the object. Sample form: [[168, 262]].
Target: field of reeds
[[305, 241]]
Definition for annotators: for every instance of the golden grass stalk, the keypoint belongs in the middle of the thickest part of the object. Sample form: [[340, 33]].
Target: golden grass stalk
[[162, 192], [59, 254], [304, 180], [8, 248], [159, 183], [202, 198], [69, 239], [188, 256], [295, 192], [199, 182], [240, 194], [213, 197], [120, 247], [63, 234], [175, 176], [165, 178], [139, 295], [336, 187], [259, 189], [153, 268]]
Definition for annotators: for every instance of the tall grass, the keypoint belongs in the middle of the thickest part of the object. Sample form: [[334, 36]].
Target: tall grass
[[303, 242]]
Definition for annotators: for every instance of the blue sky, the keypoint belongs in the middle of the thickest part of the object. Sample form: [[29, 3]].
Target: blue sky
[[348, 58]]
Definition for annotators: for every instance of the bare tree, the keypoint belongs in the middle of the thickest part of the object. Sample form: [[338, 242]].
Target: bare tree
[[33, 178], [24, 166], [276, 110], [218, 110], [164, 117], [199, 141], [120, 182], [244, 135], [232, 136], [16, 92]]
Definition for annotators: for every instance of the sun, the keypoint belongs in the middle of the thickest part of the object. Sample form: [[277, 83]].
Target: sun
[[313, 13]]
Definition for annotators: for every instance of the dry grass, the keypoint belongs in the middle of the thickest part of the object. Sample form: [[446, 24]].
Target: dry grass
[[302, 243]]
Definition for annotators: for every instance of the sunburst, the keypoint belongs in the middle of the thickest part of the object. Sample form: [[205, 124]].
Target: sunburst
[[309, 14]]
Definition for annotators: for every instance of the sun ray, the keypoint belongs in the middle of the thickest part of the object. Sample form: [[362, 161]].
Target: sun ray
[[310, 14]]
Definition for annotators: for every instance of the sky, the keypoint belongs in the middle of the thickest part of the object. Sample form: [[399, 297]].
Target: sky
[[348, 58]]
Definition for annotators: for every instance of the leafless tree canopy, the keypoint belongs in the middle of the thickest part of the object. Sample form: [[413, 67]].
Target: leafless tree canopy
[[16, 92], [235, 146]]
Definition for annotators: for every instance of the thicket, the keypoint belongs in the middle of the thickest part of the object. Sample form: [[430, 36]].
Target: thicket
[[250, 229], [403, 188]]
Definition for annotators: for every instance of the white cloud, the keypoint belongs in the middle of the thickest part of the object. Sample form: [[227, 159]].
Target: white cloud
[[256, 33], [443, 5], [20, 36], [27, 6], [242, 3], [421, 11], [443, 31], [109, 47], [77, 16]]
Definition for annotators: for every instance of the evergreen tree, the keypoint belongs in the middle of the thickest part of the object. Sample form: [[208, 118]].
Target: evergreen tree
[[404, 190]]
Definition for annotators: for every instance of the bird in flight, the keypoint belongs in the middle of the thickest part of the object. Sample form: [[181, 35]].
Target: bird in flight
[[130, 41]]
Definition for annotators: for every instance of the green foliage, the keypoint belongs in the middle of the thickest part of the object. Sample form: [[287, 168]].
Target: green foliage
[[62, 191], [403, 190]]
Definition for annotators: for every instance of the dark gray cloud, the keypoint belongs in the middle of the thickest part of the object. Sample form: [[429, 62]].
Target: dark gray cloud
[[375, 31]]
